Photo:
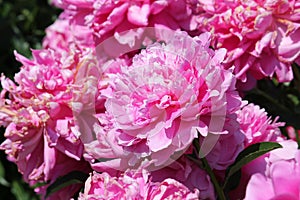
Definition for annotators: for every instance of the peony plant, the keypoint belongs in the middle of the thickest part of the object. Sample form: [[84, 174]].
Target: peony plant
[[147, 100]]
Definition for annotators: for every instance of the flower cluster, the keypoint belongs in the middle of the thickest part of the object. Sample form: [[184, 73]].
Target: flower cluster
[[145, 97], [134, 185], [262, 37]]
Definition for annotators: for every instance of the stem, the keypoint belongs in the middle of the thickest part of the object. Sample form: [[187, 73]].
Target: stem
[[204, 164], [214, 180]]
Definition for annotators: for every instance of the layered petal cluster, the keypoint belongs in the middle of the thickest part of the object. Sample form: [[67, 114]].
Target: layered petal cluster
[[59, 35], [159, 104], [262, 37], [257, 126], [133, 185], [75, 22], [64, 37], [122, 21], [29, 144], [114, 17], [45, 86], [222, 150], [42, 133], [130, 185], [171, 189], [46, 78], [281, 179], [189, 174]]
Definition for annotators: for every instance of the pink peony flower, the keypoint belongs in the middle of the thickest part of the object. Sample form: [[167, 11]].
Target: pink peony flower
[[133, 185], [262, 37], [45, 78], [65, 35], [171, 189], [130, 185], [257, 126], [121, 24], [156, 105], [75, 21], [59, 36], [189, 174], [281, 179], [114, 17], [59, 85], [42, 132], [44, 86], [223, 151], [27, 145]]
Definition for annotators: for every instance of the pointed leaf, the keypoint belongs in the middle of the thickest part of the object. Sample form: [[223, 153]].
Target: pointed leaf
[[73, 177], [2, 176], [247, 155]]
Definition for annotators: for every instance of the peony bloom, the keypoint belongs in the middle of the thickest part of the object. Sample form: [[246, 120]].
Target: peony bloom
[[225, 150], [46, 85], [130, 185], [262, 37], [133, 185], [59, 36], [257, 126], [157, 105], [189, 174], [113, 17], [120, 24], [28, 145], [171, 189], [42, 133], [281, 179], [64, 35], [46, 78]]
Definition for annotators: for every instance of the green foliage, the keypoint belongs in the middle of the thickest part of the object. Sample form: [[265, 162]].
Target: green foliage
[[22, 26], [247, 155], [64, 181], [3, 182], [20, 190]]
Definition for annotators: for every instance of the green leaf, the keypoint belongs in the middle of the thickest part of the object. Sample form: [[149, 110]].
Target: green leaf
[[19, 191], [247, 155], [73, 177], [2, 176]]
